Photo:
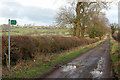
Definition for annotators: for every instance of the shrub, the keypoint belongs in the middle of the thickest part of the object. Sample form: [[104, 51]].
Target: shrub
[[22, 47], [95, 32], [116, 36], [26, 47]]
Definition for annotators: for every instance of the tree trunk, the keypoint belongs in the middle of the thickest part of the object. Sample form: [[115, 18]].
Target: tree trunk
[[83, 30], [82, 33], [78, 19], [74, 31], [83, 22], [78, 31]]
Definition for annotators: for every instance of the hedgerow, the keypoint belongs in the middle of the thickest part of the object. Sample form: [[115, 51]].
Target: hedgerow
[[26, 47]]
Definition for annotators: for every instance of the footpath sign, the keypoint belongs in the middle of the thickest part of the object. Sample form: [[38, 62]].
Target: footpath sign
[[13, 22], [10, 22]]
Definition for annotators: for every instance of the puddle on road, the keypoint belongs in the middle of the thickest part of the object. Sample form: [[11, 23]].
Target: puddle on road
[[97, 73], [69, 67], [77, 64]]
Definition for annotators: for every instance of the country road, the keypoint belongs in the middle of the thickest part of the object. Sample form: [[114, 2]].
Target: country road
[[95, 63]]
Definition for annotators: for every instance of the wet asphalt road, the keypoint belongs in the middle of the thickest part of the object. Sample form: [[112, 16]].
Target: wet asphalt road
[[95, 63]]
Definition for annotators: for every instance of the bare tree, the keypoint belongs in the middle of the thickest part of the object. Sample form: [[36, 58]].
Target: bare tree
[[80, 15]]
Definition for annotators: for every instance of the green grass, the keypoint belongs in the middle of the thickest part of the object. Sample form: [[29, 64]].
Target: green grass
[[35, 32], [70, 56], [43, 68], [98, 43], [115, 59]]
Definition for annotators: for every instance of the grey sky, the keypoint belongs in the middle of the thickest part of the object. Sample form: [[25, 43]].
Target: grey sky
[[112, 14], [15, 10], [38, 12]]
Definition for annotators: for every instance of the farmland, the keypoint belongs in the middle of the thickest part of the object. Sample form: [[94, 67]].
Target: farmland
[[31, 31]]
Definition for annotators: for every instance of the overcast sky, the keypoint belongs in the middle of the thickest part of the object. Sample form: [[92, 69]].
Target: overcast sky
[[38, 12]]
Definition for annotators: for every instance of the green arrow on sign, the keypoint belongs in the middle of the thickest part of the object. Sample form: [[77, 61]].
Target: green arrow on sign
[[13, 22]]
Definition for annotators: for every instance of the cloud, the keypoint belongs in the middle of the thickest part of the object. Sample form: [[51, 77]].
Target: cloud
[[16, 10], [38, 14], [38, 11], [112, 14]]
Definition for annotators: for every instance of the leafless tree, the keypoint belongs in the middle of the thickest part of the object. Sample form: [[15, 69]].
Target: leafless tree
[[80, 15]]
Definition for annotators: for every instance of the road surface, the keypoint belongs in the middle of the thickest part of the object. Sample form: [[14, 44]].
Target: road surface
[[95, 63]]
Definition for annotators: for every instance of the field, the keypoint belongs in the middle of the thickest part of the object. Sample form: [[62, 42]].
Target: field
[[31, 31]]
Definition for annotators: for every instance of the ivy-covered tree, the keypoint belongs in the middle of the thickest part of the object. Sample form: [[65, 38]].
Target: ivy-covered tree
[[113, 27], [80, 15], [95, 32]]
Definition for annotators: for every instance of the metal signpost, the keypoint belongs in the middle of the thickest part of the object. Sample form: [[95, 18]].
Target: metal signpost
[[13, 22], [10, 22]]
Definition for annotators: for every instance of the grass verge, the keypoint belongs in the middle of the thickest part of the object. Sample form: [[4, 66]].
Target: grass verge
[[115, 57]]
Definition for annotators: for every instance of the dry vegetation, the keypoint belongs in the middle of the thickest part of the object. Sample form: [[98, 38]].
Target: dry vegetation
[[115, 55], [24, 48], [116, 36]]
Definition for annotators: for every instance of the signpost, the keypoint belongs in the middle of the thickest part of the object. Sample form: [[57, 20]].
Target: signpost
[[13, 22], [10, 22]]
